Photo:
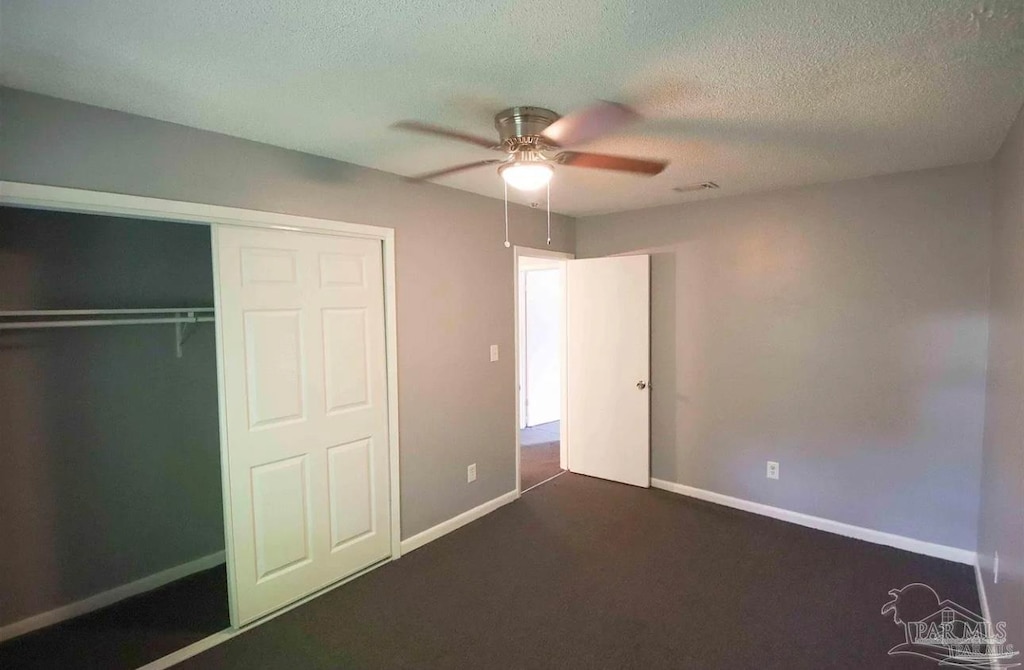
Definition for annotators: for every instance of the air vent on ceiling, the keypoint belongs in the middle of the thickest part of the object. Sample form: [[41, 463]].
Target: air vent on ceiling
[[703, 186]]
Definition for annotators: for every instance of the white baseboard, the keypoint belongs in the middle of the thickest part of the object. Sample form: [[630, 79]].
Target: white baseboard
[[820, 523], [982, 596], [194, 649], [445, 527], [116, 594]]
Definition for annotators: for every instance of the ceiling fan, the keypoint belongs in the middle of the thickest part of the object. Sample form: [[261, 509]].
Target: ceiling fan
[[535, 139]]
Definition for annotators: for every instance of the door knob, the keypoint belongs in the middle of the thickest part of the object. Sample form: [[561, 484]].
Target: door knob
[[641, 384]]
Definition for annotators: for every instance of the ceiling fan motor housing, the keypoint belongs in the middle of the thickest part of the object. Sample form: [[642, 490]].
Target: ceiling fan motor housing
[[521, 127]]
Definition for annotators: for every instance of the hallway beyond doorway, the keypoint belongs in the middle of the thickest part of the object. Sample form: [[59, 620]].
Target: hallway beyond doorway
[[539, 459], [544, 432]]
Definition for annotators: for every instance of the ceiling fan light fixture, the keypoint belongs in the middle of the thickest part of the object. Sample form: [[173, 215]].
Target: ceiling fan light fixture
[[528, 176]]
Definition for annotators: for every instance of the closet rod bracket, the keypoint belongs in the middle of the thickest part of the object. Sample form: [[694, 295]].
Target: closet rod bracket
[[183, 330]]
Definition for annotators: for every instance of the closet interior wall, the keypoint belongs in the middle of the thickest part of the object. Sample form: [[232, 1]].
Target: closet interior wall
[[109, 442]]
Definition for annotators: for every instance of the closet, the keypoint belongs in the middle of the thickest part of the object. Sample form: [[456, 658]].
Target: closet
[[110, 490], [197, 422]]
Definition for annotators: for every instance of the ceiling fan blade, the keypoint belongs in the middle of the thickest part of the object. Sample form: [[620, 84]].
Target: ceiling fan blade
[[430, 129], [452, 170], [606, 162], [588, 123]]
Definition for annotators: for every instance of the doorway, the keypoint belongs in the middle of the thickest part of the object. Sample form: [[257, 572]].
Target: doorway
[[540, 366], [601, 310]]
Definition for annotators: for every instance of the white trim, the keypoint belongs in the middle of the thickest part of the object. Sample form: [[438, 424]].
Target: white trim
[[39, 196], [563, 256], [979, 579], [545, 481], [222, 424], [520, 344], [191, 650], [391, 356], [456, 522], [820, 523], [982, 595], [109, 597]]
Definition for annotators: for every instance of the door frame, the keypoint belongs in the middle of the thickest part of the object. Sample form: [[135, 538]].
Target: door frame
[[561, 256], [38, 196]]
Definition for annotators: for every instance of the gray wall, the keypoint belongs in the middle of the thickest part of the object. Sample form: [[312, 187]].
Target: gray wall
[[109, 443], [1002, 495], [454, 277], [838, 329]]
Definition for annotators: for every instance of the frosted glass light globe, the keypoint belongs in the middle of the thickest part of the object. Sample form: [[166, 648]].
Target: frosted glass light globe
[[527, 176]]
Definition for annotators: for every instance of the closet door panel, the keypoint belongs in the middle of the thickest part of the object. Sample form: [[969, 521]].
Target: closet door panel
[[347, 359], [351, 492], [274, 367], [301, 321], [281, 515]]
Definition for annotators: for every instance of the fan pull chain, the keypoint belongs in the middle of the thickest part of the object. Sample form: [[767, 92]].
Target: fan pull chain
[[507, 245], [549, 212]]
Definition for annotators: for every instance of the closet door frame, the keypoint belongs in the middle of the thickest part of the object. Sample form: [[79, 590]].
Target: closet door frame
[[37, 196]]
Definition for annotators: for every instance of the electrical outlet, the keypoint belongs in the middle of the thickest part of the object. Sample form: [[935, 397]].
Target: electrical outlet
[[995, 569], [494, 353], [773, 470], [471, 473]]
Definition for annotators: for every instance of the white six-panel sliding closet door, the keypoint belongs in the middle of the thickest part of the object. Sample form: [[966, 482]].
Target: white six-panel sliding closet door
[[302, 336]]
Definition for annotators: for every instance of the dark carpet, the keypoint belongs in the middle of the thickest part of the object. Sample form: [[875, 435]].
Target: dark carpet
[[584, 573], [537, 462], [130, 633]]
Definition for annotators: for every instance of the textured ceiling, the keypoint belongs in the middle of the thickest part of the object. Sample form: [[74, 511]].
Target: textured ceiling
[[753, 95]]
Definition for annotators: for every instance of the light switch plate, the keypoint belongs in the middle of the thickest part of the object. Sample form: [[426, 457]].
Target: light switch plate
[[494, 352]]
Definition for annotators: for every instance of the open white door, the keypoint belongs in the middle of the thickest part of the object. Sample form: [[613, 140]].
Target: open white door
[[608, 367], [304, 385]]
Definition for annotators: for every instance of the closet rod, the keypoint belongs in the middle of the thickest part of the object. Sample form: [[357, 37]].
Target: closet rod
[[99, 312], [23, 325]]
